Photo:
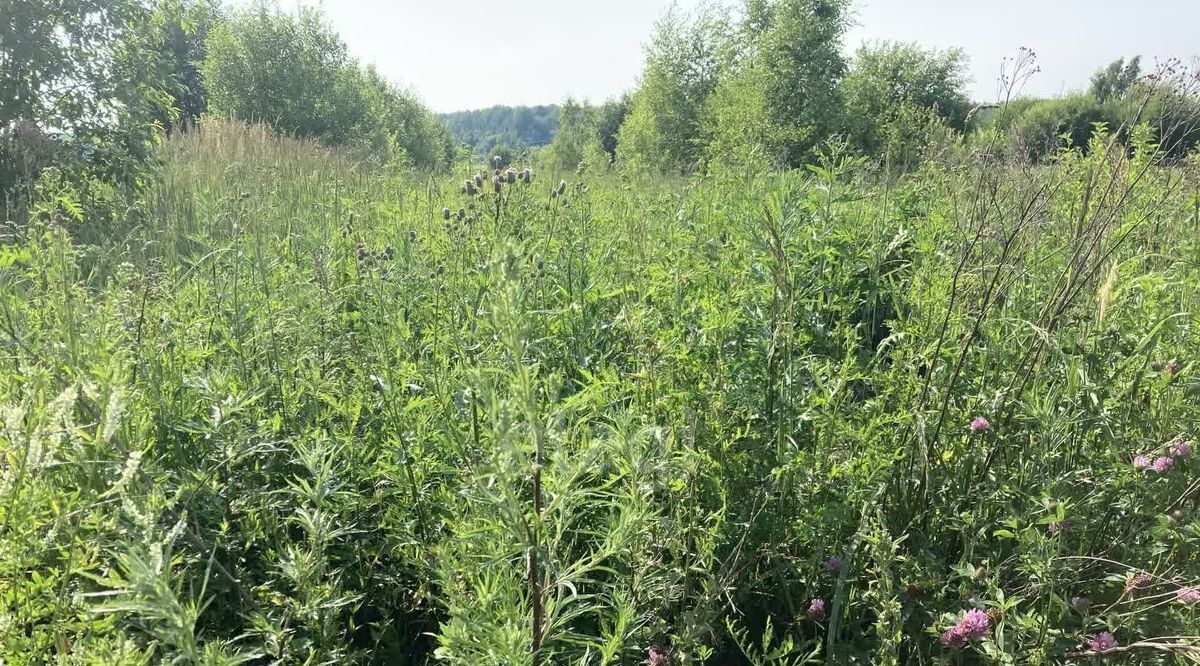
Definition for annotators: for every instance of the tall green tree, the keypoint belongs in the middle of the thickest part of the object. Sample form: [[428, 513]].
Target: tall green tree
[[888, 81], [293, 72], [577, 136], [799, 51], [609, 118], [1116, 79], [179, 30], [778, 97], [75, 72], [683, 62]]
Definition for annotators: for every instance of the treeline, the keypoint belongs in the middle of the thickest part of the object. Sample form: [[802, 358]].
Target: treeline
[[768, 83], [91, 86], [501, 128]]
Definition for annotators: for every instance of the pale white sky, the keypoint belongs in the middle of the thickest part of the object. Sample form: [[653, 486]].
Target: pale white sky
[[466, 54]]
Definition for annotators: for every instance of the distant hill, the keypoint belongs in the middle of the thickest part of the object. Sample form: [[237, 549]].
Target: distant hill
[[512, 126]]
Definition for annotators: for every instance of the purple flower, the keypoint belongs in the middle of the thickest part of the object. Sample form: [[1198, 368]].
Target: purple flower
[[1102, 642], [974, 624], [1142, 462], [1163, 464], [1138, 581], [658, 657], [979, 425], [1081, 604], [1181, 449], [1188, 595], [816, 609], [953, 637], [835, 564]]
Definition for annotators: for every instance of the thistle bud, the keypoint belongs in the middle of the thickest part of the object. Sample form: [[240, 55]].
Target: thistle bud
[[510, 176], [497, 184], [562, 187], [445, 213], [461, 214], [478, 180]]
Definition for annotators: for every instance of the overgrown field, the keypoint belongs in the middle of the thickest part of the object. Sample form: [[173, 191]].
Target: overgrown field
[[281, 410]]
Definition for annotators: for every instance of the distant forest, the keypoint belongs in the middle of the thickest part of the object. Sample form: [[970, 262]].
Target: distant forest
[[508, 126]]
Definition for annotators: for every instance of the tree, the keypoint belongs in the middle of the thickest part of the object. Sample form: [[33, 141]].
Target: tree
[[609, 119], [180, 31], [1117, 79], [74, 74], [778, 97], [577, 135], [293, 72], [799, 61], [286, 70], [662, 130], [889, 84]]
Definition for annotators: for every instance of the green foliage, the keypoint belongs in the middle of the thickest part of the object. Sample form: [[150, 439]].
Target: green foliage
[[76, 74], [178, 30], [683, 61], [1116, 80], [610, 116], [798, 46], [888, 81], [766, 93], [298, 418], [578, 136], [515, 127], [293, 72]]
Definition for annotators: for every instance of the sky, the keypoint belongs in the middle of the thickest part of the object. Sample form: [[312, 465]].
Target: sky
[[469, 54]]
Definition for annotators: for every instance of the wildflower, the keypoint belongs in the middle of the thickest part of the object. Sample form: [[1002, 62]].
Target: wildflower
[[835, 564], [1141, 462], [816, 609], [1163, 464], [658, 657], [1081, 604], [1102, 642], [1181, 449], [974, 624], [953, 637], [1188, 595], [980, 425], [1138, 581]]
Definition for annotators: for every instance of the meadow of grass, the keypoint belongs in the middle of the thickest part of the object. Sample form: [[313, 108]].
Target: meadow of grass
[[285, 409]]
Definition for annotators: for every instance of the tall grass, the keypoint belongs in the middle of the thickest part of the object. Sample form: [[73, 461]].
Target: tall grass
[[283, 411]]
